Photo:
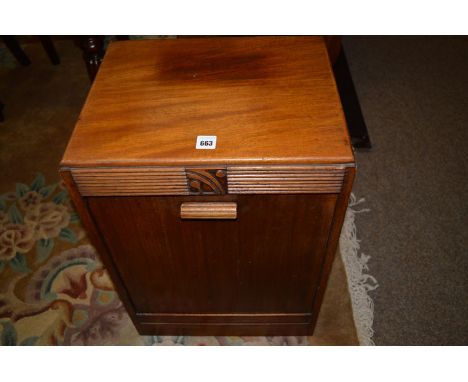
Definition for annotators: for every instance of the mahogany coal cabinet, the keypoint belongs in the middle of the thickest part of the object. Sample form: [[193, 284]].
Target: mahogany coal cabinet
[[212, 175]]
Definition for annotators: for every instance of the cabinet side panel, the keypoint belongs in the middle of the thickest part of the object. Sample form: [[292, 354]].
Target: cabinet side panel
[[95, 238], [338, 219]]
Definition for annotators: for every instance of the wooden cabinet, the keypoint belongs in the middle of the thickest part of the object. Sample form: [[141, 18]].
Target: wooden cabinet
[[212, 175]]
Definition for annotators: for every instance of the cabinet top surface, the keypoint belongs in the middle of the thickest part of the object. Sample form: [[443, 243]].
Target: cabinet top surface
[[268, 100]]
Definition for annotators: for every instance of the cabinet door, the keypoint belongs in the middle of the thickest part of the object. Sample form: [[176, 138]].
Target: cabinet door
[[268, 260]]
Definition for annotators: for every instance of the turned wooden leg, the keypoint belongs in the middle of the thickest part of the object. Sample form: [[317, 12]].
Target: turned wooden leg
[[92, 53], [15, 49], [49, 47]]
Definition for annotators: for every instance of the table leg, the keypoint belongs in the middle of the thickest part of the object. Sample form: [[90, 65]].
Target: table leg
[[92, 53], [49, 47], [356, 125], [15, 49]]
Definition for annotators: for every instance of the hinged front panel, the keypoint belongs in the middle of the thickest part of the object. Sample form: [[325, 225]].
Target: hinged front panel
[[267, 260]]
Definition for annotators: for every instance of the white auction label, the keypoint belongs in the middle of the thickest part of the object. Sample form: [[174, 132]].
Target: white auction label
[[206, 142]]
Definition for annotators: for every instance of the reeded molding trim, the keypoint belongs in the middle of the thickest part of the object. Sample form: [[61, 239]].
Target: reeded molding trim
[[285, 179], [268, 179], [112, 181]]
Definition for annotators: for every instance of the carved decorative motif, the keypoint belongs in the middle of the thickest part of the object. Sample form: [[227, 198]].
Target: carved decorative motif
[[206, 181]]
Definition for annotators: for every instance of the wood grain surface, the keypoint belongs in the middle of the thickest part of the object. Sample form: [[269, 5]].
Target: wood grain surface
[[333, 241], [267, 99], [284, 179], [207, 210], [272, 179], [266, 261], [131, 181], [238, 240]]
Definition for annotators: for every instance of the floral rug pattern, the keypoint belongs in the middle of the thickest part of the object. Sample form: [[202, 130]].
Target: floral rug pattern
[[54, 289]]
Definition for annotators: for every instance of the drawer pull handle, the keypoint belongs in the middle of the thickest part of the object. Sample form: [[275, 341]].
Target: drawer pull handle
[[208, 210]]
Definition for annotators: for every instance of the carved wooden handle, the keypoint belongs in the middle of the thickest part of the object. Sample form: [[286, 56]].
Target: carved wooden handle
[[208, 210]]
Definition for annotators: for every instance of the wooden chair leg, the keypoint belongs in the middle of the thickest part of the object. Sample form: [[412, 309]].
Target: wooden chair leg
[[15, 49], [49, 47], [92, 53], [2, 118]]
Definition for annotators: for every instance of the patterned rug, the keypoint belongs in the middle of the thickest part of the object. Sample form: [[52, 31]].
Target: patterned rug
[[55, 290]]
